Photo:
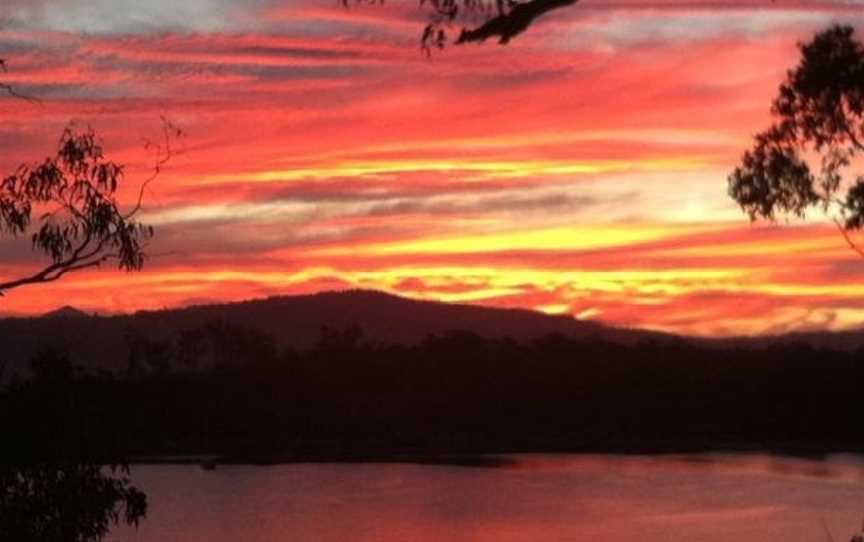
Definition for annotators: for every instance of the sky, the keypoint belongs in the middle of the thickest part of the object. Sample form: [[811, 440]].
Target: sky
[[581, 169]]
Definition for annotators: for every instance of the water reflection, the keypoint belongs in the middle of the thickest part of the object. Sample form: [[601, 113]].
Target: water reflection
[[723, 497]]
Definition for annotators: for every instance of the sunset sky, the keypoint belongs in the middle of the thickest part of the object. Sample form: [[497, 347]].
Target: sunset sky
[[580, 169]]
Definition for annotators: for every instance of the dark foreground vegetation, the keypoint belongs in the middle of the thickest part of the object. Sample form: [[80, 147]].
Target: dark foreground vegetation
[[228, 391]]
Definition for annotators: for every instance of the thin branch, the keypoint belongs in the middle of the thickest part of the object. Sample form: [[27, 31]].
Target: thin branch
[[85, 265], [55, 271], [78, 260], [83, 256], [849, 241], [10, 90], [164, 154], [32, 279]]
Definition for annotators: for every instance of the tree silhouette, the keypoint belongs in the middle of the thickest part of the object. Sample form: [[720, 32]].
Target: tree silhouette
[[62, 472], [502, 19], [81, 224], [802, 161], [53, 481], [511, 19], [62, 476]]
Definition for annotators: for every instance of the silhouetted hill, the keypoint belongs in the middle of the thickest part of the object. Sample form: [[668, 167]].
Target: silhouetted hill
[[66, 312], [293, 321], [848, 340], [291, 377], [297, 321]]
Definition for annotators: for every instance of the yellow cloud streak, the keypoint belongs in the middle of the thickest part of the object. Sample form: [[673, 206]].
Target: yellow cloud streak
[[498, 280], [491, 169], [818, 247], [559, 238]]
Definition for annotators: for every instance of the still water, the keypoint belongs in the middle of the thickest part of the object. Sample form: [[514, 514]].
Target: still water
[[731, 498]]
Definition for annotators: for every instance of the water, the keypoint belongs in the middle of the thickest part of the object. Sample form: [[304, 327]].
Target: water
[[739, 498]]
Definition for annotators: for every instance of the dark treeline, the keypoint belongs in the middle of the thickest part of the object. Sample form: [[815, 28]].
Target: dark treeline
[[226, 390]]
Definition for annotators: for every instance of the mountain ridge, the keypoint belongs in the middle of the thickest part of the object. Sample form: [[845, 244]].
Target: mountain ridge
[[66, 311], [296, 322], [293, 321]]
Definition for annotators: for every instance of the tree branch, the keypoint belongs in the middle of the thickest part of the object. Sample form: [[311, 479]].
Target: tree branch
[[81, 185], [79, 259], [55, 271], [849, 241], [10, 90], [164, 153], [94, 263], [508, 25]]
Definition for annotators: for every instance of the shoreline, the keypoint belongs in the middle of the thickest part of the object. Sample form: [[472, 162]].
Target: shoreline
[[487, 459]]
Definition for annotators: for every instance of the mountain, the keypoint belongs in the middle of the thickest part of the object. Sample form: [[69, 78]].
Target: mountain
[[66, 312], [297, 321], [293, 321]]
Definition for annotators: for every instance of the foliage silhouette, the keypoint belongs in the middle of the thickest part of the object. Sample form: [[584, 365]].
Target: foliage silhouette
[[502, 19], [511, 19], [348, 399], [81, 225], [801, 162], [61, 476], [457, 392]]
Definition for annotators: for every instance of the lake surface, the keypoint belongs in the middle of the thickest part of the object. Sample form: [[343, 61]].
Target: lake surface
[[739, 498]]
